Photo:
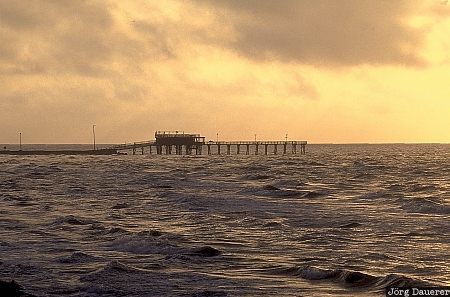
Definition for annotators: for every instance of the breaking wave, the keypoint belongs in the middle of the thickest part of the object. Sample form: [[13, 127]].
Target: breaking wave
[[348, 278]]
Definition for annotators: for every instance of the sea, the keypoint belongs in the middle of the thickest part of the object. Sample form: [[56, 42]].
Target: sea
[[340, 220]]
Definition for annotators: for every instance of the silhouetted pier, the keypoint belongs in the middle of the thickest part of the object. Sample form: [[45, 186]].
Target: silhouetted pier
[[180, 143]]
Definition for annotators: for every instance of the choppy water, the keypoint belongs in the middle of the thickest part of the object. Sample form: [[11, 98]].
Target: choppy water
[[339, 221]]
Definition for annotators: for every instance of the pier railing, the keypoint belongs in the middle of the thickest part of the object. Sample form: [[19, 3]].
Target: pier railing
[[175, 134], [254, 142], [131, 145]]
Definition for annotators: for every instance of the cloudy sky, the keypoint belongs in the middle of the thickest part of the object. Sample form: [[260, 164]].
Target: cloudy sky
[[324, 71]]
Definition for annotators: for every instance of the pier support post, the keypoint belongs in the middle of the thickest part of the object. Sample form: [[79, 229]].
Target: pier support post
[[256, 149], [228, 149], [248, 149], [294, 148], [285, 148], [142, 150], [209, 149], [275, 149], [150, 149], [134, 149], [238, 148], [266, 146], [218, 149]]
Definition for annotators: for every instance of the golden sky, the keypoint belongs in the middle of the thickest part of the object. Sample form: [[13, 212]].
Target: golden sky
[[324, 71]]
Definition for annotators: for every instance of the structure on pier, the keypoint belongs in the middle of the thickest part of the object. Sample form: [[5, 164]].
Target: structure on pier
[[169, 142], [178, 140]]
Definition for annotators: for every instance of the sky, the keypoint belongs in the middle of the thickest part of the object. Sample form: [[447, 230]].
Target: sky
[[347, 71]]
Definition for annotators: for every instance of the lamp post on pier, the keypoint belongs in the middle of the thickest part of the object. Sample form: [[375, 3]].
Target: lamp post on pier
[[93, 133], [20, 141]]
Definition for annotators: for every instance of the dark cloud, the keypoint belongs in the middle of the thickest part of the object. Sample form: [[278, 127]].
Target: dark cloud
[[83, 37], [79, 37], [323, 32]]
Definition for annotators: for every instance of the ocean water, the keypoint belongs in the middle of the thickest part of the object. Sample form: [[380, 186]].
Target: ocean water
[[342, 220]]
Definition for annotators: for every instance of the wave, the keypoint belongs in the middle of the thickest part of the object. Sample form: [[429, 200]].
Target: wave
[[156, 242], [77, 257], [425, 206], [207, 293], [116, 230], [9, 184], [73, 220], [112, 268], [350, 225], [277, 192], [41, 171], [313, 164], [422, 188], [313, 194], [273, 191], [374, 195], [120, 205], [254, 167], [146, 242], [5, 245], [352, 279], [273, 224], [256, 176], [77, 190], [121, 267], [205, 251]]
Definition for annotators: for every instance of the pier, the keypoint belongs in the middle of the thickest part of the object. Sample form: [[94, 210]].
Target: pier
[[180, 143]]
